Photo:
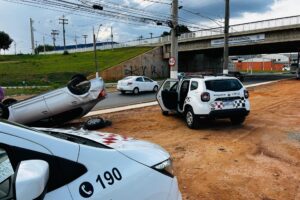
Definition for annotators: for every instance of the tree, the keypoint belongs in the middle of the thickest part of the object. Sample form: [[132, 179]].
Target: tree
[[5, 41], [40, 48], [180, 29]]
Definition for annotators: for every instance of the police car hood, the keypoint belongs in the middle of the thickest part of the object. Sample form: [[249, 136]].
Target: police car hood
[[141, 151]]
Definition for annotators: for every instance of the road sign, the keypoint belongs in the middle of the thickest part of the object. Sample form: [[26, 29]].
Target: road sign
[[172, 61]]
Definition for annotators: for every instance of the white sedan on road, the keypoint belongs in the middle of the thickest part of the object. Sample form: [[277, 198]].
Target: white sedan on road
[[54, 164], [136, 84]]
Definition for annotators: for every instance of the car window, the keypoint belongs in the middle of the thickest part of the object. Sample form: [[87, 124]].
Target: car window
[[147, 79], [194, 85], [223, 85], [6, 171], [170, 85], [139, 79]]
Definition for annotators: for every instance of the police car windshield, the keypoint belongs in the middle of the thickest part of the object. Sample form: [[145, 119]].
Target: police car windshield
[[223, 85]]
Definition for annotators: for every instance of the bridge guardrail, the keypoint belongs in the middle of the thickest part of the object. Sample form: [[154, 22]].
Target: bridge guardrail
[[264, 24]]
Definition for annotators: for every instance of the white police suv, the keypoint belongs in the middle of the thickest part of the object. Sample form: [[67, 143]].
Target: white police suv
[[205, 97], [56, 164]]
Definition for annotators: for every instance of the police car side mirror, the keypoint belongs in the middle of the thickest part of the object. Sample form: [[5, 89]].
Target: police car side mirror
[[31, 179]]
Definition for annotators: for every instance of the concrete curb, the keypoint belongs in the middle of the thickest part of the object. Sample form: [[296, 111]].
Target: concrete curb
[[153, 103]]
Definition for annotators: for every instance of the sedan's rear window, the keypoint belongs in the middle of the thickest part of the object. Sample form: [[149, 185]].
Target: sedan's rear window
[[223, 85]]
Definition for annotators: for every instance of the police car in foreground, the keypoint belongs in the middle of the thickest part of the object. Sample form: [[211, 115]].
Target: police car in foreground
[[205, 97], [62, 164]]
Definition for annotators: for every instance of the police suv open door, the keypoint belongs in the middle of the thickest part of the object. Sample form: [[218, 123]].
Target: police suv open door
[[167, 95]]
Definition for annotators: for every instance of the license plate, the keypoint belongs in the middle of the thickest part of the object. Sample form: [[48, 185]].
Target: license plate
[[227, 103]]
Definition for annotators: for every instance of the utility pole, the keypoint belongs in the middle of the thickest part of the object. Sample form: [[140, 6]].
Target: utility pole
[[226, 37], [174, 41], [75, 40], [36, 46], [15, 44], [54, 33], [44, 43], [112, 38], [32, 36], [95, 53], [85, 36], [64, 21]]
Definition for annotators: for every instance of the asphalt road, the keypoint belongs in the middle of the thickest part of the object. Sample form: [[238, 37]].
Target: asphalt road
[[116, 99]]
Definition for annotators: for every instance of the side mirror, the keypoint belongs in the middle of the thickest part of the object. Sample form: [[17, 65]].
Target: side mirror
[[31, 179]]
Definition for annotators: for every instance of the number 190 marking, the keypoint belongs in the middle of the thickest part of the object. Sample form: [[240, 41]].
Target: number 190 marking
[[109, 177]]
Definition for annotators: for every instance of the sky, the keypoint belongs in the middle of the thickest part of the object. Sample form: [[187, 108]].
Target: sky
[[15, 19]]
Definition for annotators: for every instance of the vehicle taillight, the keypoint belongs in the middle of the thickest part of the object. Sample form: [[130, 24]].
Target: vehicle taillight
[[246, 94], [205, 97], [129, 83], [102, 94]]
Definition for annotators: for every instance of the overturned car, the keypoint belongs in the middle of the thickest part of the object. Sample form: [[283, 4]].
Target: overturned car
[[57, 106]]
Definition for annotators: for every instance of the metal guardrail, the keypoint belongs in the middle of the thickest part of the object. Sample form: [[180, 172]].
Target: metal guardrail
[[263, 24]]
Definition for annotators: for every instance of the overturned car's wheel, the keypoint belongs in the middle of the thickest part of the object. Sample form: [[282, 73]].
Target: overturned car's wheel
[[73, 84], [9, 101], [4, 112], [96, 123]]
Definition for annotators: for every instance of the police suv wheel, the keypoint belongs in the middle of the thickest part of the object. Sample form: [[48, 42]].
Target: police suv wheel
[[155, 89], [4, 112], [190, 118]]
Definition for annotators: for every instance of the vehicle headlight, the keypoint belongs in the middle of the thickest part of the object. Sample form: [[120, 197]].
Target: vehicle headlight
[[165, 167]]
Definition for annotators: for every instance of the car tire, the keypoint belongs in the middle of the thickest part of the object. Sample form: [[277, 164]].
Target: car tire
[[135, 91], [237, 120], [9, 101], [165, 113], [96, 123], [155, 89], [4, 112], [190, 118], [75, 80]]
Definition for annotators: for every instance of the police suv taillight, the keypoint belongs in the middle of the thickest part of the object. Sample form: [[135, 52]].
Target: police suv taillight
[[205, 97], [129, 83], [246, 94]]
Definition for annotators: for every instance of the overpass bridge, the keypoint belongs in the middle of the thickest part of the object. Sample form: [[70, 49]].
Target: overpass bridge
[[267, 36]]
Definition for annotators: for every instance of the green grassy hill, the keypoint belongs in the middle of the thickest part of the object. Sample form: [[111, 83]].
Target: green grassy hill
[[56, 70]]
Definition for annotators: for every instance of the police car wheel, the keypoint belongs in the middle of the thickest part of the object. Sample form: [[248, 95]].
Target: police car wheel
[[190, 118], [155, 89], [4, 112], [237, 120]]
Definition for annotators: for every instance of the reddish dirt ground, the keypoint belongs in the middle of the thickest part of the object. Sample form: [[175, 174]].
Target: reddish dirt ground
[[258, 160]]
